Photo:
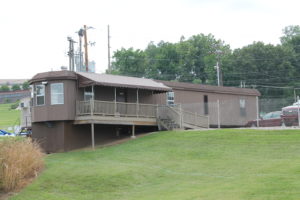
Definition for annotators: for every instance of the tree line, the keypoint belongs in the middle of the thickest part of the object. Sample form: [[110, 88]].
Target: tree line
[[194, 59], [15, 87]]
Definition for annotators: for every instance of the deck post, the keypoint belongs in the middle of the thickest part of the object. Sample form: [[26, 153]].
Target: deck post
[[137, 102], [115, 101], [133, 131], [93, 103], [93, 135], [91, 106], [117, 132]]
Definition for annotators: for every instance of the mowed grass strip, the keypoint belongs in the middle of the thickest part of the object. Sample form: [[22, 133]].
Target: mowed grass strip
[[216, 164], [8, 117]]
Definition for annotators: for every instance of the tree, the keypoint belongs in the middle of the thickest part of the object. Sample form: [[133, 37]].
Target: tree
[[25, 85], [129, 62], [4, 88], [16, 87], [260, 64], [162, 61], [290, 32]]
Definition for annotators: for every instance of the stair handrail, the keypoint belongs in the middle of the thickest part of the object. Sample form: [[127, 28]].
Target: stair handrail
[[169, 113]]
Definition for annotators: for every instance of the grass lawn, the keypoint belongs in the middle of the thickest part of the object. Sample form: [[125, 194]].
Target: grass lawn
[[8, 117], [216, 164]]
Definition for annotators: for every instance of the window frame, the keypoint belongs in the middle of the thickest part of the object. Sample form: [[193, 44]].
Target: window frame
[[88, 93], [62, 93], [170, 102], [243, 112], [36, 95]]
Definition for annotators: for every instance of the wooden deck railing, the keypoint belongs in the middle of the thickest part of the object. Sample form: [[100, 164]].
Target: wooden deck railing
[[178, 116], [195, 119], [118, 109]]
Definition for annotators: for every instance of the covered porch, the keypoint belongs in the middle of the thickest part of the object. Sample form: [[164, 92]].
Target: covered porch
[[104, 99]]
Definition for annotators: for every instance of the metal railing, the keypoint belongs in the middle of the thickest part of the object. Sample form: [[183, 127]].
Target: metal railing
[[117, 109]]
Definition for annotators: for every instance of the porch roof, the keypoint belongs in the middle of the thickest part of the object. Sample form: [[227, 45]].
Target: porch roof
[[88, 79]]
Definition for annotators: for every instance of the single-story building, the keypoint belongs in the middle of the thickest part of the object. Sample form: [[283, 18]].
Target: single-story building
[[76, 109]]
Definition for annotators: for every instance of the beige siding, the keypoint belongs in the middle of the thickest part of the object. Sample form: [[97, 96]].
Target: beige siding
[[193, 101]]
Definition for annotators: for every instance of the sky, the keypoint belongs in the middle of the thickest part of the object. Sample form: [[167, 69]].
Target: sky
[[33, 33]]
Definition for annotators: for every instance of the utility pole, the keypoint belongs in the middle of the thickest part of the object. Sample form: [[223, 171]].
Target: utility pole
[[219, 70], [218, 73], [80, 34], [71, 53], [108, 52], [86, 49]]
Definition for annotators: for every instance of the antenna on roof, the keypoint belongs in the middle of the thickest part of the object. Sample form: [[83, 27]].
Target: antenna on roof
[[71, 53]]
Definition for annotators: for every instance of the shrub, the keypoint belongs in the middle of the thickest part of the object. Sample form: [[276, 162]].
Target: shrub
[[20, 160], [15, 105]]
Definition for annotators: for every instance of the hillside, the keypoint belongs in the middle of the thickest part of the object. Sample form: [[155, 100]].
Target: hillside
[[210, 165], [8, 117]]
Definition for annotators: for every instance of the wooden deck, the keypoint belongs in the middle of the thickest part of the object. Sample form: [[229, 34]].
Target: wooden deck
[[120, 113], [97, 119]]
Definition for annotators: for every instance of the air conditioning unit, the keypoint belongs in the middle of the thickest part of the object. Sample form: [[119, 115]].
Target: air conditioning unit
[[24, 105]]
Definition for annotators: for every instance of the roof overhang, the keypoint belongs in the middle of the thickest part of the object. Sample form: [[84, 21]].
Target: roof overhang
[[88, 79]]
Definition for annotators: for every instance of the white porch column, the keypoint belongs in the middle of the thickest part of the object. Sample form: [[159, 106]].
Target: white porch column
[[93, 135]]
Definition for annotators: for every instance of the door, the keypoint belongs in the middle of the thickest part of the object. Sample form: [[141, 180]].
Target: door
[[121, 98]]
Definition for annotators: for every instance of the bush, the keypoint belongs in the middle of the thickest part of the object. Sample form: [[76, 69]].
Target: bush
[[20, 160], [15, 105]]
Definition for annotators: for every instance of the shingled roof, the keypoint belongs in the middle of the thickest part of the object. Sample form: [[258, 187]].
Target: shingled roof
[[53, 75], [210, 88], [86, 79]]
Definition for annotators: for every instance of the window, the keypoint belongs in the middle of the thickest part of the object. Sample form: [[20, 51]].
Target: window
[[40, 95], [243, 107], [205, 105], [170, 98], [88, 93], [57, 93]]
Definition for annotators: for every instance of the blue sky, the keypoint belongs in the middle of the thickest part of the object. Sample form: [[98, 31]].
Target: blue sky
[[33, 33]]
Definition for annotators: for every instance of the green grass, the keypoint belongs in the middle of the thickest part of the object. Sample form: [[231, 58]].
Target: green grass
[[8, 117], [210, 165]]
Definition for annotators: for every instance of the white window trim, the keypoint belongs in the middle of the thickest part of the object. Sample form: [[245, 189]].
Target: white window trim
[[169, 101], [36, 95], [89, 94], [63, 93]]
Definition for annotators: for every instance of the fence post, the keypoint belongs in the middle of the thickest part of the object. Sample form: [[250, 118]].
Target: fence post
[[208, 121], [298, 111], [181, 117], [257, 112], [218, 108]]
